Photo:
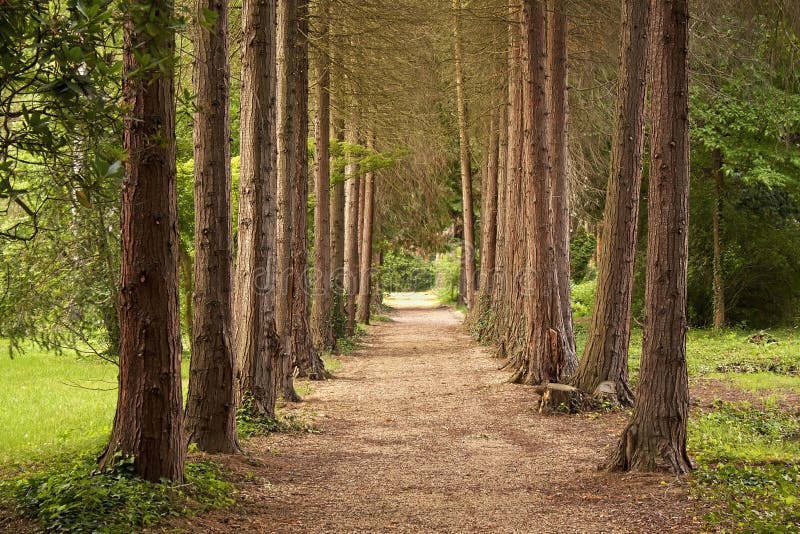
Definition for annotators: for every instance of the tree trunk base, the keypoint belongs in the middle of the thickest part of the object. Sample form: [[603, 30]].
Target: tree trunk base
[[559, 398], [637, 452]]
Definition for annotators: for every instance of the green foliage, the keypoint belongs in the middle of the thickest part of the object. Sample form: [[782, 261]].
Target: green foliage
[[583, 298], [448, 272], [404, 271], [581, 249], [72, 496], [748, 467]]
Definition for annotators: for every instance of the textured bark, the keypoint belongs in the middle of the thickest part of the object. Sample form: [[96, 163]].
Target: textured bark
[[606, 355], [719, 284], [468, 250], [489, 210], [655, 438], [558, 120], [546, 356], [351, 236], [338, 209], [288, 121], [322, 304], [149, 420], [187, 286], [306, 358], [511, 314], [256, 342], [365, 272], [211, 403]]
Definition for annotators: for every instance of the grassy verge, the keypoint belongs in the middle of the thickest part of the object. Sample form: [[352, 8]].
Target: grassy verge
[[748, 460]]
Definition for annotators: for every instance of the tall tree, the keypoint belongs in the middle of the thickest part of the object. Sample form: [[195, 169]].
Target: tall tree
[[719, 285], [322, 304], [351, 232], [365, 273], [547, 355], [307, 360], [606, 355], [489, 211], [148, 424], [338, 210], [655, 438], [558, 119], [288, 107], [468, 250], [211, 406], [256, 341]]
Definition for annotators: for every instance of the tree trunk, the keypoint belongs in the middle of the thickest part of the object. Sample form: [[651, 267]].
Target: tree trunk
[[211, 401], [288, 122], [187, 286], [306, 358], [655, 438], [321, 307], [547, 356], [559, 152], [149, 420], [606, 355], [256, 341], [338, 209], [351, 235], [489, 212], [468, 249], [719, 285], [365, 274]]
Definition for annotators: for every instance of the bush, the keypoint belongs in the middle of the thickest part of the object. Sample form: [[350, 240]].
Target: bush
[[448, 273], [581, 249], [404, 271]]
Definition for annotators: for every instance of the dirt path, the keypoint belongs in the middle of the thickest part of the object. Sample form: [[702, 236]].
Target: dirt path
[[420, 433]]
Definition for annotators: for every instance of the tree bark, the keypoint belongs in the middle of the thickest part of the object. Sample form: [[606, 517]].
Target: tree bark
[[148, 424], [547, 356], [365, 273], [288, 121], [306, 358], [655, 438], [338, 208], [468, 249], [489, 211], [256, 341], [351, 235], [557, 31], [321, 307], [211, 402], [187, 286], [719, 284], [606, 355]]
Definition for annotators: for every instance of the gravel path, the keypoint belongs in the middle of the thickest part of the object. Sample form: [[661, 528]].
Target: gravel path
[[421, 433]]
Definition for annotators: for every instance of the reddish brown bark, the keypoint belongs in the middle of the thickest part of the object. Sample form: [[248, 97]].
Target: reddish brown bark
[[322, 303], [655, 438], [489, 211], [211, 405], [546, 356], [558, 120], [365, 274], [149, 420], [351, 235], [338, 209], [256, 341], [306, 359], [606, 355], [719, 284], [468, 249]]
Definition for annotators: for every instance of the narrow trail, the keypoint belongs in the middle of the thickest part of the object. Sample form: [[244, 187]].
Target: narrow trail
[[421, 433]]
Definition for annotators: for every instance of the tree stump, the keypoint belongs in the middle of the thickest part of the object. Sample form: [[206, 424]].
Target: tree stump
[[559, 398]]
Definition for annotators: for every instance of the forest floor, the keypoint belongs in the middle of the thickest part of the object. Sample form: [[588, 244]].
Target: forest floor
[[420, 431]]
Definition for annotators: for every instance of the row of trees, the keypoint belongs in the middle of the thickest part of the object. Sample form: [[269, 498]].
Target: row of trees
[[539, 338], [252, 325]]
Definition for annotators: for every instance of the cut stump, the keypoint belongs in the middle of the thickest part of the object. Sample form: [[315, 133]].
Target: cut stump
[[559, 398]]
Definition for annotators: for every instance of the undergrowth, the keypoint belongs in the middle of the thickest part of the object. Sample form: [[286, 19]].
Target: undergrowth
[[748, 467], [71, 495], [250, 424]]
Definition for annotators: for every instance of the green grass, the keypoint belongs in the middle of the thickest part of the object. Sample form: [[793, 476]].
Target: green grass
[[748, 460], [761, 382], [55, 403]]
